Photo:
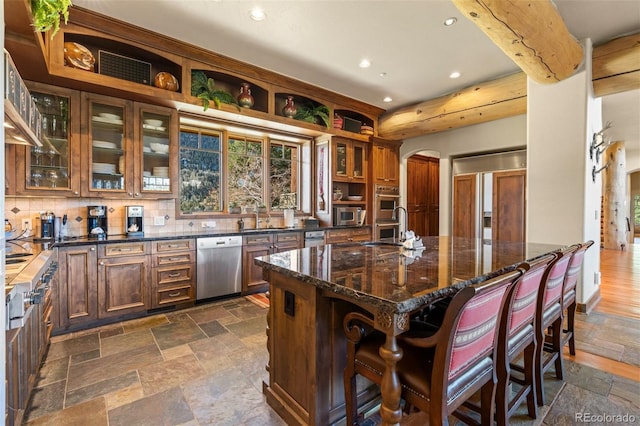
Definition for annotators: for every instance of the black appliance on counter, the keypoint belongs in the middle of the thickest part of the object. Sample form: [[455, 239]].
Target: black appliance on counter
[[134, 215], [97, 221], [47, 225]]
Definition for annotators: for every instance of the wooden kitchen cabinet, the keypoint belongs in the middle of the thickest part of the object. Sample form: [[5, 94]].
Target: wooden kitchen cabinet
[[347, 235], [77, 290], [262, 245], [127, 149], [54, 168], [386, 165], [349, 159], [123, 279], [173, 272]]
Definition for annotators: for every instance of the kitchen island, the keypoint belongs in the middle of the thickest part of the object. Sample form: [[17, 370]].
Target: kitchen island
[[312, 289]]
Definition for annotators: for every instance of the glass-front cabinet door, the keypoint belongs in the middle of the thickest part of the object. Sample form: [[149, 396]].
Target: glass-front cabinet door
[[359, 161], [107, 148], [155, 126], [349, 160], [54, 166]]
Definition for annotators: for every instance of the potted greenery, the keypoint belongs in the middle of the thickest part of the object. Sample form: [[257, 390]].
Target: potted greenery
[[312, 113], [204, 88], [47, 14], [234, 208]]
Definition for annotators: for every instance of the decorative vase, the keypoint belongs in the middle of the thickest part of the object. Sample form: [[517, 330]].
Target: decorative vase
[[289, 109], [245, 99]]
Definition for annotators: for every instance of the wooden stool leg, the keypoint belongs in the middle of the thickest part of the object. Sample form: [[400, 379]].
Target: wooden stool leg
[[571, 314]]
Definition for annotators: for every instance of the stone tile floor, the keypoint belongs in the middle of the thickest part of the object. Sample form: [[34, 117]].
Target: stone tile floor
[[206, 365]]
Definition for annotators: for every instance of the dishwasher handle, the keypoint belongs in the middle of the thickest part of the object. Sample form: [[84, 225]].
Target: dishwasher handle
[[219, 242]]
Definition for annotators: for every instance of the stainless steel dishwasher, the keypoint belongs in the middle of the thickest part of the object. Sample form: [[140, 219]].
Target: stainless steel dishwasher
[[219, 267]]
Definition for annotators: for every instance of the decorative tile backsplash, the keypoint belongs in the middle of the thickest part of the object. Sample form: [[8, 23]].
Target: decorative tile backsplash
[[18, 208]]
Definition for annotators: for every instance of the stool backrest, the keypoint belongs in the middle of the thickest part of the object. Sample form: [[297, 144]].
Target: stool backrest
[[474, 321], [573, 270], [521, 300]]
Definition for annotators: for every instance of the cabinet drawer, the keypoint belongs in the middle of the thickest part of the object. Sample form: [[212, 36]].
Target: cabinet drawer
[[173, 295], [173, 245], [336, 236], [289, 236], [173, 258], [165, 276], [125, 249], [257, 239], [360, 232]]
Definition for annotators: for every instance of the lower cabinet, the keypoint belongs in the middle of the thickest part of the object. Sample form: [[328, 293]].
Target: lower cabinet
[[123, 279], [26, 347], [263, 245], [173, 272], [77, 289], [347, 235], [101, 281]]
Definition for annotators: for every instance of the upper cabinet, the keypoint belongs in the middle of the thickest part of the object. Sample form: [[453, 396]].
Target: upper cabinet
[[54, 167], [349, 160], [127, 149], [386, 163]]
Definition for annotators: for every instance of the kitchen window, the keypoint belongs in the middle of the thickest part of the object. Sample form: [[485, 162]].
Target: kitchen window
[[221, 168], [245, 169], [284, 171], [200, 171]]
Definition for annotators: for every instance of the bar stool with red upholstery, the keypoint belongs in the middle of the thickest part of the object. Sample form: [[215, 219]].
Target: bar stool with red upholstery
[[517, 337], [439, 370], [549, 316]]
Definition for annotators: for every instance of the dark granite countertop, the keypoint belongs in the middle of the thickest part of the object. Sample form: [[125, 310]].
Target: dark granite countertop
[[397, 280], [120, 238]]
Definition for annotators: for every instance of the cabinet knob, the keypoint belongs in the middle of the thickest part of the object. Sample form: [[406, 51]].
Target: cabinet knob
[[101, 263], [76, 193], [92, 249], [130, 194], [137, 194]]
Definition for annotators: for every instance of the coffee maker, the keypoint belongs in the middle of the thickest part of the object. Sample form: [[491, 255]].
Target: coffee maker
[[97, 221], [47, 225], [134, 216]]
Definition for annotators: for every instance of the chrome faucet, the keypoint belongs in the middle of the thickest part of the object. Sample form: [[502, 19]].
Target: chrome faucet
[[406, 220]]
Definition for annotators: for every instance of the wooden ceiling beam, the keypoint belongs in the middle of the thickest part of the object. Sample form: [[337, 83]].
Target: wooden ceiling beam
[[531, 33], [482, 102], [616, 68]]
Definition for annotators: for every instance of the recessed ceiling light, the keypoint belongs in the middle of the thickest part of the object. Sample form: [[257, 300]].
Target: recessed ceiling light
[[387, 99], [257, 14], [365, 63], [450, 21], [454, 74], [383, 74]]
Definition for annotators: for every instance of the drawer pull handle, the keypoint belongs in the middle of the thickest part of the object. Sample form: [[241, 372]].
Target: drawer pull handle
[[123, 249], [175, 259], [175, 274], [176, 294]]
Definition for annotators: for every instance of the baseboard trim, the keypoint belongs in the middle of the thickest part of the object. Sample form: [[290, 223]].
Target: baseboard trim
[[585, 308]]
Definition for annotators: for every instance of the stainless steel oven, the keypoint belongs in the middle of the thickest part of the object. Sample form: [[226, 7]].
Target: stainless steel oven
[[387, 198]]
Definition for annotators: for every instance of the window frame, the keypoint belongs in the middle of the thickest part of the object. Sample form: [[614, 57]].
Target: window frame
[[304, 145]]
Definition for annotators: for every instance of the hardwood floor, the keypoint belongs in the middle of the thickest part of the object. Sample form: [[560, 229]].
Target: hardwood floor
[[620, 298], [620, 285]]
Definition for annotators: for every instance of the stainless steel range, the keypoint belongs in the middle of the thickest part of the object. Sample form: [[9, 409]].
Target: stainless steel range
[[29, 271]]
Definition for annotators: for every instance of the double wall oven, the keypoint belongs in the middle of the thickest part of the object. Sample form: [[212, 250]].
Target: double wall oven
[[386, 199]]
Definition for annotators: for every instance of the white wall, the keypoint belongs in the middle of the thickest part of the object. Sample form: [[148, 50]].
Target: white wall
[[563, 201], [499, 135]]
